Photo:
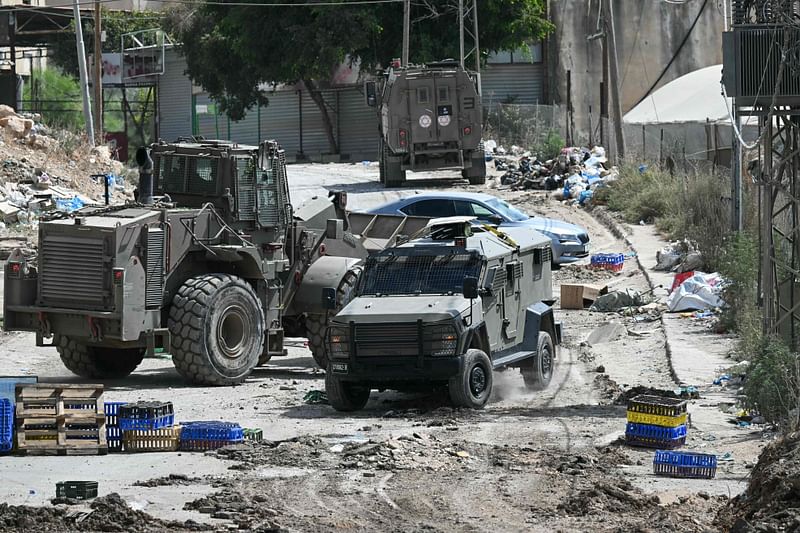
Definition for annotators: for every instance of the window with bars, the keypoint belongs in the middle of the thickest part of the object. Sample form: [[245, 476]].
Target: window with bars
[[390, 274]]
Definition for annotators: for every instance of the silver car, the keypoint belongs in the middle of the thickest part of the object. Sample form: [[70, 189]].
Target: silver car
[[570, 242]]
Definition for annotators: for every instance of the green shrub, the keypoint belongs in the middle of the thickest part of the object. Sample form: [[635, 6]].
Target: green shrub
[[772, 385], [58, 97]]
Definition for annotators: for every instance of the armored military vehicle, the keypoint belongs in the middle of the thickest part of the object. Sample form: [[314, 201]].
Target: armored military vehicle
[[448, 308], [429, 118], [215, 269]]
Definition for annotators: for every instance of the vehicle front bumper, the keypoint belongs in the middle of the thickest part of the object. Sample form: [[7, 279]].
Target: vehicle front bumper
[[568, 252], [394, 369]]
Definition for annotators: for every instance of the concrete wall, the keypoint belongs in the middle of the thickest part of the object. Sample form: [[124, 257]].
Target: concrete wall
[[649, 33]]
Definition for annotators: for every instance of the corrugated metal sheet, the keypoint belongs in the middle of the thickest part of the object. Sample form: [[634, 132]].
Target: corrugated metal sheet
[[280, 121], [315, 140], [358, 124], [517, 83], [174, 98]]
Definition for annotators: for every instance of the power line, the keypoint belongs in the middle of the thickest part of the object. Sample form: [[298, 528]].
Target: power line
[[224, 3]]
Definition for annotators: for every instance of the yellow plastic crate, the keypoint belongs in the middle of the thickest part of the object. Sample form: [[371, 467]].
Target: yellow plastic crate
[[656, 420]]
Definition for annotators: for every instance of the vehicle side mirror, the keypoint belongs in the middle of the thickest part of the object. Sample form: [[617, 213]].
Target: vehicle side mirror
[[329, 298], [495, 219], [470, 288], [371, 93], [264, 162]]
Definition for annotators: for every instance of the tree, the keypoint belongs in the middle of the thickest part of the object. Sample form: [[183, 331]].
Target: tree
[[233, 50]]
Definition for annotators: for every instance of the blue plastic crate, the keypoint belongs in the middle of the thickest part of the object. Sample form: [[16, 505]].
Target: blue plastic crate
[[8, 386], [684, 464], [212, 430], [113, 431], [655, 436], [145, 415], [6, 425]]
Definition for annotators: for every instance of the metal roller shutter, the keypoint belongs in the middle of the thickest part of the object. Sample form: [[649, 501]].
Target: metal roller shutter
[[520, 83], [358, 125], [174, 98]]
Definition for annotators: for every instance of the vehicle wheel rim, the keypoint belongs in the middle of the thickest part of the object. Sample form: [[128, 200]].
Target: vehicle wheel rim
[[547, 362], [233, 331], [477, 381]]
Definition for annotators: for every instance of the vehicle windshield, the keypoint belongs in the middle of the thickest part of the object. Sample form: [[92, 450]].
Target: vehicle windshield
[[389, 274], [507, 210]]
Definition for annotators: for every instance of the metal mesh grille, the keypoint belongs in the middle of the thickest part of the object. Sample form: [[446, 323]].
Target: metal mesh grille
[[389, 274], [202, 175], [73, 272], [154, 283], [246, 194], [499, 280], [374, 340], [172, 173]]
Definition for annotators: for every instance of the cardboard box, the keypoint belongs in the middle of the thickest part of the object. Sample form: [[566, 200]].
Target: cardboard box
[[580, 296]]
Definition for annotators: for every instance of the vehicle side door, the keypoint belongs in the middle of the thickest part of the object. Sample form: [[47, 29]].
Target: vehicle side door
[[433, 208]]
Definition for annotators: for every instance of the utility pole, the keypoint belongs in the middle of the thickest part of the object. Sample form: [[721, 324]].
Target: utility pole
[[737, 218], [477, 44], [98, 73], [406, 29], [87, 109], [461, 33], [614, 75]]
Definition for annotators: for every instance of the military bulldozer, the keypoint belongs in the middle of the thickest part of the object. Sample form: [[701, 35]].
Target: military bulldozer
[[213, 265], [429, 118]]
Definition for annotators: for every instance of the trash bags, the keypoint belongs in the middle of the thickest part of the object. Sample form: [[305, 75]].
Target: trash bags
[[698, 292]]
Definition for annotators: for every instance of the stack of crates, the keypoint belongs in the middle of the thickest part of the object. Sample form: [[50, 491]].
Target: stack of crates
[[656, 422], [148, 427], [6, 425], [113, 431], [685, 464], [612, 262], [8, 388], [209, 435]]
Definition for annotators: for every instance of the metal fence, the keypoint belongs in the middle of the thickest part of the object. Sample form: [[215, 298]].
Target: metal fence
[[534, 127]]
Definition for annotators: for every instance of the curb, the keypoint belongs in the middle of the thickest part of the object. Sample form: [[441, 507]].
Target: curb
[[602, 216]]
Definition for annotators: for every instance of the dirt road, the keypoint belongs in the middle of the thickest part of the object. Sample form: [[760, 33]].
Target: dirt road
[[528, 462]]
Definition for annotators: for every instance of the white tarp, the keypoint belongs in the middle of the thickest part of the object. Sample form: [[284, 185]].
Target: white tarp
[[701, 291], [694, 97]]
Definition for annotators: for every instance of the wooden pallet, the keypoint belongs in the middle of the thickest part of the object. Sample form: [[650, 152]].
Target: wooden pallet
[[60, 420]]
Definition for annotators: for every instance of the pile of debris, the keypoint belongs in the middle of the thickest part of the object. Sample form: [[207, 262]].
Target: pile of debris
[[574, 175], [679, 256], [772, 499], [26, 128]]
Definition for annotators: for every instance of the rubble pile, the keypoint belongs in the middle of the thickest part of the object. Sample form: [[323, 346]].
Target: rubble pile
[[108, 513], [573, 176], [772, 499], [44, 170]]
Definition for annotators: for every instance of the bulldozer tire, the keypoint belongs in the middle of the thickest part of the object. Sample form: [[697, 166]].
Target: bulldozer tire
[[97, 362], [315, 329], [217, 329], [317, 324]]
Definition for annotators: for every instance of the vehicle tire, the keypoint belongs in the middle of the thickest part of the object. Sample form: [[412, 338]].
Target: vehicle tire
[[478, 172], [473, 385], [317, 324], [539, 369], [97, 362], [217, 328], [344, 395]]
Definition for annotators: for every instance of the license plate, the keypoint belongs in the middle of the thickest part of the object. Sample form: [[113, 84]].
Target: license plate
[[339, 367]]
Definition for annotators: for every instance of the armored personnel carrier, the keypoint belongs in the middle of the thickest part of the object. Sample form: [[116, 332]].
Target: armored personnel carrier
[[446, 308], [429, 118]]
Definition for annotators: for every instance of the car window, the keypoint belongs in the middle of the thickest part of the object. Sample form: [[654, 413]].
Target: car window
[[430, 208], [480, 211], [470, 209]]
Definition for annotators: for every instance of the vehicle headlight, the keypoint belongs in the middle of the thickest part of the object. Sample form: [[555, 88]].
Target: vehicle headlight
[[337, 341], [440, 340]]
